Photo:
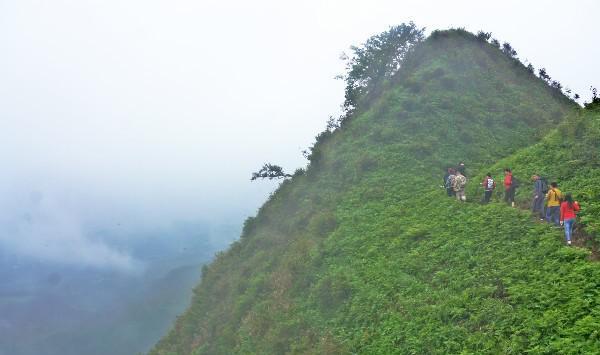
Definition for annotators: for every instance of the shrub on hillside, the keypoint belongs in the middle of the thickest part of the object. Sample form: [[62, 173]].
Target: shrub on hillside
[[484, 36], [332, 291], [322, 224], [366, 163], [509, 50], [448, 83]]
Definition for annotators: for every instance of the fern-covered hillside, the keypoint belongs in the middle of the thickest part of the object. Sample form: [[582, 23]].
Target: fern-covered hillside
[[570, 156], [363, 253]]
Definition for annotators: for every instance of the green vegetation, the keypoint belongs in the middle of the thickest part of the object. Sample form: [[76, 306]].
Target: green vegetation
[[378, 59], [364, 253], [570, 155]]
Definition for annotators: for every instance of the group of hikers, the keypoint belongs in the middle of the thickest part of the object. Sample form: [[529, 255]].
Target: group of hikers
[[549, 204]]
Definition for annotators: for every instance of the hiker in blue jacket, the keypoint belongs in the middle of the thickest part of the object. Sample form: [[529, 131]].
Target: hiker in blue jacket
[[540, 188]]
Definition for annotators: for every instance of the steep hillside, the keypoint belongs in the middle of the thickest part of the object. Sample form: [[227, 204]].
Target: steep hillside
[[362, 253]]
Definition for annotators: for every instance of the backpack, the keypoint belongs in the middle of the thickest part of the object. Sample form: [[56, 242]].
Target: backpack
[[450, 181], [560, 197], [544, 183], [557, 196], [459, 182], [491, 184], [515, 183]]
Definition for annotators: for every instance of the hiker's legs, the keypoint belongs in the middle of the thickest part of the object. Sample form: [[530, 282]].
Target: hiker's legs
[[548, 213], [538, 206], [555, 214], [487, 195], [569, 223], [543, 210], [460, 195], [509, 195], [450, 192]]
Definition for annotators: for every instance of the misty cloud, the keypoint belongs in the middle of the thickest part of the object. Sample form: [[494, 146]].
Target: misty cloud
[[38, 227]]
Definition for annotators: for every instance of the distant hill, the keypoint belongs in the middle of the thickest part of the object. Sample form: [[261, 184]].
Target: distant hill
[[363, 253], [55, 309]]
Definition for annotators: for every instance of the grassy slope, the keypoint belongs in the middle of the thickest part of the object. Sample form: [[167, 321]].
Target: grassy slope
[[363, 254], [570, 155]]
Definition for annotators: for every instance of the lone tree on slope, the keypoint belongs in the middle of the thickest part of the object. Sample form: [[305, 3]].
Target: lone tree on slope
[[270, 171], [530, 68], [595, 103], [379, 58], [484, 36], [544, 75], [556, 85], [509, 50]]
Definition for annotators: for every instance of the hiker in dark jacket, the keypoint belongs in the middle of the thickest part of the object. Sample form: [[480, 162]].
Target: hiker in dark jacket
[[446, 175], [449, 181], [461, 167], [540, 188], [488, 188]]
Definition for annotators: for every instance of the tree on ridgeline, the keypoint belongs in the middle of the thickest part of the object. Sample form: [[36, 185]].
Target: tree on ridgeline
[[556, 85], [270, 171], [495, 43], [595, 103], [379, 58], [484, 36], [509, 50], [370, 64], [332, 124], [530, 68], [544, 75]]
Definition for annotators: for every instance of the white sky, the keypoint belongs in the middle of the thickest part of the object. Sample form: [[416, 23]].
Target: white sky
[[160, 110]]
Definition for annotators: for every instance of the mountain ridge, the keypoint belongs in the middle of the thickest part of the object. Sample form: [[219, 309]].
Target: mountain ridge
[[360, 253]]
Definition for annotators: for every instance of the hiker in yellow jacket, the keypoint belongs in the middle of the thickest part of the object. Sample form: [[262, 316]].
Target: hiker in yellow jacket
[[553, 199]]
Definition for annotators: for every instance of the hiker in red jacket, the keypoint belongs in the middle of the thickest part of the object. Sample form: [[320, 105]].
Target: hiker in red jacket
[[568, 213], [509, 187]]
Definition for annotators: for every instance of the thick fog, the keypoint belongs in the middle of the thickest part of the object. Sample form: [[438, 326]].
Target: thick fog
[[125, 116]]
